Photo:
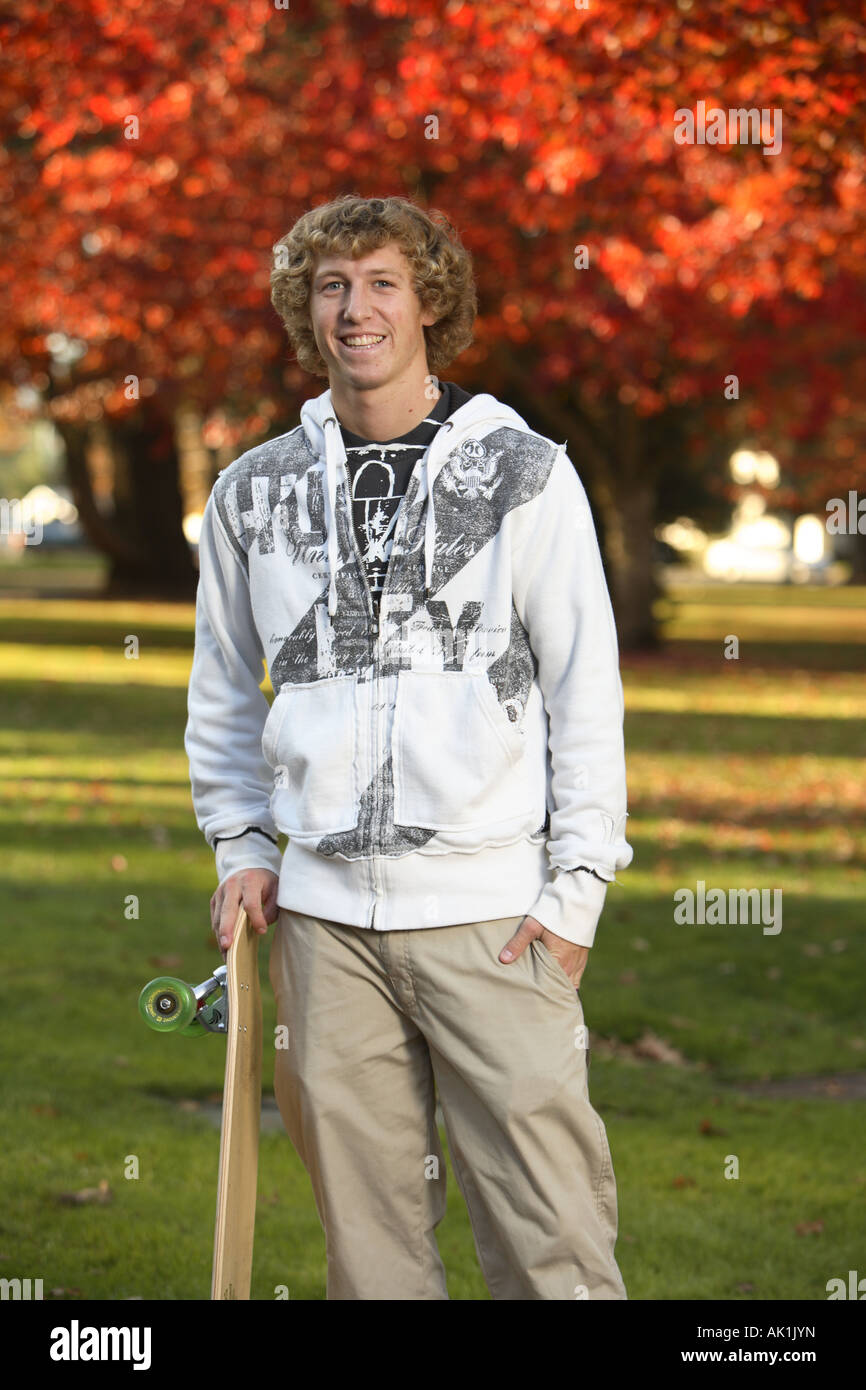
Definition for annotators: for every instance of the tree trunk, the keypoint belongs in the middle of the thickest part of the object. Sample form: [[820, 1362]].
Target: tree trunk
[[615, 458], [627, 496], [149, 510], [629, 515], [99, 530], [143, 537]]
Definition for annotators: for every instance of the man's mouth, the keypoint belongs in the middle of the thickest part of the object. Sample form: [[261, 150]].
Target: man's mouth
[[362, 342]]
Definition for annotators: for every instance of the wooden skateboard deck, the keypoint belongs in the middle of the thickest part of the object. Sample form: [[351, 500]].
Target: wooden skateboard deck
[[242, 1102]]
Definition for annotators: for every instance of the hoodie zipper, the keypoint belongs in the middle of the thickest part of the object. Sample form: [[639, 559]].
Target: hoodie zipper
[[399, 529], [374, 657]]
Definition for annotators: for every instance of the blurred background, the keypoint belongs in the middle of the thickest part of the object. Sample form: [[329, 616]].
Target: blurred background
[[689, 316]]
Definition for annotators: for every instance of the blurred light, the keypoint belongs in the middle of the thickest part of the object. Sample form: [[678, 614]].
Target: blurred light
[[742, 465], [766, 470], [767, 533], [192, 527], [726, 559], [44, 504], [26, 398], [750, 467], [748, 509], [811, 541], [683, 535], [64, 348], [758, 546]]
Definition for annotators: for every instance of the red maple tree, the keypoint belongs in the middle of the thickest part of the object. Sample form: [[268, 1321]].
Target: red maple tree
[[540, 130]]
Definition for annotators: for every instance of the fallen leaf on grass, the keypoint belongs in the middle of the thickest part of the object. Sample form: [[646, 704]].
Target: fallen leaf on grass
[[809, 1228], [657, 1050], [680, 1181], [166, 962], [707, 1127], [88, 1196]]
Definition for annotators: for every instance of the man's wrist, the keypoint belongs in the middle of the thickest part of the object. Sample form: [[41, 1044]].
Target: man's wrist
[[246, 851], [570, 906]]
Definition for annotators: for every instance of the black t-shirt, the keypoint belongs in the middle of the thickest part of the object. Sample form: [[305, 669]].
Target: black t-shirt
[[379, 474]]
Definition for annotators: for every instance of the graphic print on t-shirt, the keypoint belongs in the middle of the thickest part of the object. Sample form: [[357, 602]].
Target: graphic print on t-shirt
[[376, 496], [379, 474]]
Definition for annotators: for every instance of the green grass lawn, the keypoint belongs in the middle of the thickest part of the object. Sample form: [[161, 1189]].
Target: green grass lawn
[[745, 773]]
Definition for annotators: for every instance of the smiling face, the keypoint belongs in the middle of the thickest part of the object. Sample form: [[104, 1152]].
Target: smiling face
[[368, 321]]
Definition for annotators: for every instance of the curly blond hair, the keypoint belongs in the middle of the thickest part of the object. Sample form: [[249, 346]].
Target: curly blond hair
[[352, 226]]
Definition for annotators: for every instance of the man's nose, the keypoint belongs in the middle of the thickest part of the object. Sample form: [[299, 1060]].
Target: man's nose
[[357, 307]]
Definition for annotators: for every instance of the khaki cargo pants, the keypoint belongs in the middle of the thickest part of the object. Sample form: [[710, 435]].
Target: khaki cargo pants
[[378, 1022]]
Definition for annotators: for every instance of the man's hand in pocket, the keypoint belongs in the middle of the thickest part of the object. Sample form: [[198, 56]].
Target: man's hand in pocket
[[572, 958]]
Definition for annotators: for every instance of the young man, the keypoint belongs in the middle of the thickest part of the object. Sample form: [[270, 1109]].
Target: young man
[[420, 572]]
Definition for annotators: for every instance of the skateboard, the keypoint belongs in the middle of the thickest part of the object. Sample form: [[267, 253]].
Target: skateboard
[[172, 1006]]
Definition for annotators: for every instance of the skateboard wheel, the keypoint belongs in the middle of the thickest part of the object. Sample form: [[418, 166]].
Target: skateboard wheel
[[193, 1030], [168, 1005]]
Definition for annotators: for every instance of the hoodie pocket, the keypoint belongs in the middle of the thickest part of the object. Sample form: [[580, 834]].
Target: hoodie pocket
[[458, 760], [309, 741]]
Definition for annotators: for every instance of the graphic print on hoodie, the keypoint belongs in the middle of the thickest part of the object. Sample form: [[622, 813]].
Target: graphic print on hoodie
[[416, 755], [276, 496]]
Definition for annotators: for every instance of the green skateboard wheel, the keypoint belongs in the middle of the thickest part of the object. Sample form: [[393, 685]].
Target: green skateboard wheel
[[193, 1030], [208, 1013], [168, 1005]]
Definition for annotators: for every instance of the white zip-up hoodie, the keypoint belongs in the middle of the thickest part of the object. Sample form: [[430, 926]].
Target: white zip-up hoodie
[[461, 758]]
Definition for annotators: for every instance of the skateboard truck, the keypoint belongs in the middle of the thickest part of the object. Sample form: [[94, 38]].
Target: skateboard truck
[[172, 1006]]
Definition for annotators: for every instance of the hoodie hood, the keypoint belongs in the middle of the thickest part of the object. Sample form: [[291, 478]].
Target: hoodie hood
[[476, 418]]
